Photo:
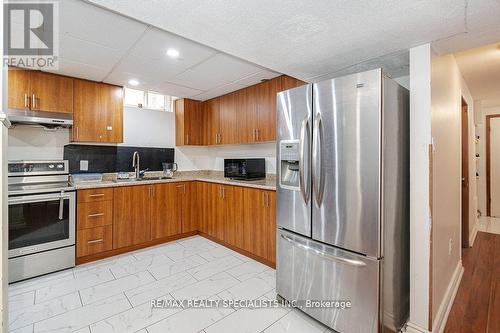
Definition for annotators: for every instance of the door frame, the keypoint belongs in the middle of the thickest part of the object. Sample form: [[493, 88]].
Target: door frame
[[488, 162], [464, 113]]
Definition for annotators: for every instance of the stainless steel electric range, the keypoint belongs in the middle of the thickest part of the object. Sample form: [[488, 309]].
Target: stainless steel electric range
[[41, 218]]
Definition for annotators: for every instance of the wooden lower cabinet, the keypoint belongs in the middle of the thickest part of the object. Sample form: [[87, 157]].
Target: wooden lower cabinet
[[259, 223], [244, 218], [94, 240], [132, 218], [171, 211]]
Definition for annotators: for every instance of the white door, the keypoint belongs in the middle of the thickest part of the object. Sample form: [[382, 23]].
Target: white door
[[495, 166]]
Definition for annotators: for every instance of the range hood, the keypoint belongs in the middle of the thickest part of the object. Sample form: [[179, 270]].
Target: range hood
[[41, 118]]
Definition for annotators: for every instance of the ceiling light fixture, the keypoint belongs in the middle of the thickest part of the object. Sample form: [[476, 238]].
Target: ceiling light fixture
[[133, 82], [173, 53]]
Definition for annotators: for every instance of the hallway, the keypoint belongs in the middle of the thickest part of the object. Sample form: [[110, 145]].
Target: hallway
[[477, 304]]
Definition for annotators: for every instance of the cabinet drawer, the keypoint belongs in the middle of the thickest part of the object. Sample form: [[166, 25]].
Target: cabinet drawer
[[96, 194], [94, 240], [94, 214]]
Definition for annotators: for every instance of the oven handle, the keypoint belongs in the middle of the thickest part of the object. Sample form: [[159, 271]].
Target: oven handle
[[38, 198]]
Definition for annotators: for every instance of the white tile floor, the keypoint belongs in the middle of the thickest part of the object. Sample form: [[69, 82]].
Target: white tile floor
[[114, 295]]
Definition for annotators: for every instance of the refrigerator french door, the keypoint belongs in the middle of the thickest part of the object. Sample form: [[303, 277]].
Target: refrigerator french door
[[343, 180]]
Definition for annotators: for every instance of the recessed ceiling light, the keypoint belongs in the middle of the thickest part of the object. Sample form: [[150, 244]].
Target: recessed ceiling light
[[172, 53], [133, 82]]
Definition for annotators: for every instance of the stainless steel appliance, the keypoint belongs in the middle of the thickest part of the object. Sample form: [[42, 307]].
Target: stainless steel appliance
[[41, 218], [42, 118], [245, 168], [343, 201]]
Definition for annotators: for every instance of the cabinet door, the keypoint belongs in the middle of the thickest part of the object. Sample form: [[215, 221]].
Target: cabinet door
[[51, 92], [166, 216], [188, 207], [288, 82], [247, 117], [180, 122], [193, 122], [233, 219], [270, 221], [132, 215], [266, 108], [19, 88], [212, 121], [86, 118], [228, 122], [208, 195], [111, 107], [254, 225]]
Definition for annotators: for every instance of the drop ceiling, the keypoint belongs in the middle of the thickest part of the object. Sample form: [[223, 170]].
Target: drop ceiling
[[480, 68], [315, 39], [100, 45]]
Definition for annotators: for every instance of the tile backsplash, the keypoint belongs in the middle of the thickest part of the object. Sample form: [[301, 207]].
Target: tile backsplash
[[104, 159]]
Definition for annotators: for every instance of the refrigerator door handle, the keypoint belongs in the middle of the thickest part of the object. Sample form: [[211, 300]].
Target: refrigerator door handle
[[322, 254], [317, 161], [304, 186]]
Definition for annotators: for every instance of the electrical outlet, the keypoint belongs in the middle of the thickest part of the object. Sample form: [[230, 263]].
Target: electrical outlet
[[84, 165], [450, 246]]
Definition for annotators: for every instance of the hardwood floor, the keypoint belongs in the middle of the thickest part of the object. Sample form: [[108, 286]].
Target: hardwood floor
[[477, 305]]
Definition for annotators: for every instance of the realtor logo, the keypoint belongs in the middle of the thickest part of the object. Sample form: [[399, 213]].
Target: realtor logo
[[31, 34]]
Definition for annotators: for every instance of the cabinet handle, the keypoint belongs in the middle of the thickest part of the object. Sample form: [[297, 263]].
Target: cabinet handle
[[77, 133], [254, 136], [26, 101], [95, 215], [95, 241], [187, 139], [223, 192], [184, 188], [33, 102], [264, 199], [267, 200], [258, 134], [96, 195]]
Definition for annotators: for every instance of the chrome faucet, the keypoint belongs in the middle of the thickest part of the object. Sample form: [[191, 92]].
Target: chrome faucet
[[135, 164]]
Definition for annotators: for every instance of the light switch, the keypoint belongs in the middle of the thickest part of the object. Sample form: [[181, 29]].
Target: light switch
[[84, 165]]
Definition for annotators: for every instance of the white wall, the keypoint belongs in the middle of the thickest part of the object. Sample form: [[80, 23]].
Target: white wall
[[420, 224], [448, 87], [143, 128]]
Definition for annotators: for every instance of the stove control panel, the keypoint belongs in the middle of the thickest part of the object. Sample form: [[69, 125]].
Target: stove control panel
[[35, 168]]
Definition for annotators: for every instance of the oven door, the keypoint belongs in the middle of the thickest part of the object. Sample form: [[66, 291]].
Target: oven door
[[41, 222]]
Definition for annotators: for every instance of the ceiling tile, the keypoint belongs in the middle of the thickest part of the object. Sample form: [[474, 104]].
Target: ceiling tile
[[88, 22], [155, 43], [199, 80], [226, 67], [80, 70], [150, 69], [222, 90], [88, 52], [175, 90], [122, 78], [257, 77]]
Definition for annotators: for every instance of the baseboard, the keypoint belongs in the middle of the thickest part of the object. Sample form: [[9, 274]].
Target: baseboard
[[414, 328], [473, 234], [449, 297]]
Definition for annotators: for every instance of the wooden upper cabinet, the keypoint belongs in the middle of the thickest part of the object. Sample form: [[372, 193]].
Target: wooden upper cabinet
[[211, 116], [98, 112], [111, 106], [39, 91], [247, 118], [288, 82], [131, 212], [86, 116], [228, 119], [266, 109], [50, 92], [19, 88], [188, 122]]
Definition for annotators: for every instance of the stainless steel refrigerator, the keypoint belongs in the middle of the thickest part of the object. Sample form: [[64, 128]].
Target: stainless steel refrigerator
[[343, 201]]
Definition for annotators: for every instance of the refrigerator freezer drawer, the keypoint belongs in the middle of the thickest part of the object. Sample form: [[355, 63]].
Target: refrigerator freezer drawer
[[307, 270]]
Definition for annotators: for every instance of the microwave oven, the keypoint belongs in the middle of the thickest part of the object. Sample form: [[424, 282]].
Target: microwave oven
[[245, 168]]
